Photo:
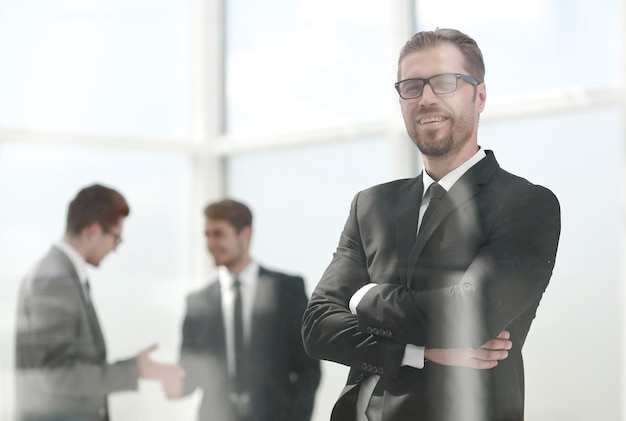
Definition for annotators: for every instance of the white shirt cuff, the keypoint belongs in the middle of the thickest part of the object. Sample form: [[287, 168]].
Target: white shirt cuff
[[413, 356], [358, 296]]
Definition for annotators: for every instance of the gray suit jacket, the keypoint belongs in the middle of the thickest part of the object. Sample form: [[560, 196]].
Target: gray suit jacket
[[62, 372], [480, 265]]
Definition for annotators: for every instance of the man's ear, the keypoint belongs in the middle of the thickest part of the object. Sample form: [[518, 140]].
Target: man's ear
[[481, 97], [92, 230], [246, 234]]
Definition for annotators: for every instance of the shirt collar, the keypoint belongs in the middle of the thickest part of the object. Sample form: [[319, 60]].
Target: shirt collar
[[247, 276], [75, 257], [453, 176]]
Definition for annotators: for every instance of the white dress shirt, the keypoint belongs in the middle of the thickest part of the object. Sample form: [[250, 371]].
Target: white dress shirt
[[248, 278], [413, 354]]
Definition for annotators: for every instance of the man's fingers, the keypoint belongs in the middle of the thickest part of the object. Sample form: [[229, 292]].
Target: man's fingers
[[503, 335], [498, 344], [150, 349], [483, 365], [175, 371], [482, 359], [490, 355]]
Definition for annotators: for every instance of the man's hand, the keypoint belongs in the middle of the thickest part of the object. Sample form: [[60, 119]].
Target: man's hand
[[484, 358], [170, 375]]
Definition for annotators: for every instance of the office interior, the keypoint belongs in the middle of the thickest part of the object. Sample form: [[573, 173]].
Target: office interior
[[289, 106]]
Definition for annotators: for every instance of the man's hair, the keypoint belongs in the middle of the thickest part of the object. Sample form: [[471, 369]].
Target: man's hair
[[474, 63], [236, 213], [95, 203]]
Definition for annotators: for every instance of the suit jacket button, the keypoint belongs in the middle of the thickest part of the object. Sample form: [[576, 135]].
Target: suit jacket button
[[369, 368], [364, 366], [380, 370], [388, 333], [376, 331], [369, 330]]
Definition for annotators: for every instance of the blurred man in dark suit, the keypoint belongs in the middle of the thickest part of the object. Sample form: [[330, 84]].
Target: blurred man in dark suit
[[241, 334]]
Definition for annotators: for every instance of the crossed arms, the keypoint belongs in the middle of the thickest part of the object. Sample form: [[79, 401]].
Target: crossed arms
[[503, 281]]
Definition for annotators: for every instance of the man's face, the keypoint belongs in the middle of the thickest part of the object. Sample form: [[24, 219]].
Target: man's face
[[441, 124], [104, 240], [227, 247]]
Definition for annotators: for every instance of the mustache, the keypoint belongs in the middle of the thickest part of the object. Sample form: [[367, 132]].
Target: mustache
[[431, 110]]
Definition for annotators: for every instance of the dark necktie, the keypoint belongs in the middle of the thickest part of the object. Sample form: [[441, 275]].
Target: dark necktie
[[87, 289], [238, 334], [436, 192], [91, 310]]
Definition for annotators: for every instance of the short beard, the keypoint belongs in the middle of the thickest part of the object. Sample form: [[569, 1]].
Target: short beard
[[458, 137], [435, 149]]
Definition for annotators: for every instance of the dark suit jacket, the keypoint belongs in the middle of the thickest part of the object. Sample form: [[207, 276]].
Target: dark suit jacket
[[480, 265], [62, 372], [283, 378]]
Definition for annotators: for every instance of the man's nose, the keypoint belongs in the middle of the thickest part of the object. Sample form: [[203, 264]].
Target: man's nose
[[428, 95]]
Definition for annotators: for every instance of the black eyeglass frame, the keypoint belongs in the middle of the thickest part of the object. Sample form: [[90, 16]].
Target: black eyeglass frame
[[470, 79], [117, 238]]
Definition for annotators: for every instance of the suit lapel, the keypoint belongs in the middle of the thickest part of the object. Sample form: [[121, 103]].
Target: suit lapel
[[462, 191], [405, 218], [90, 311], [212, 318], [95, 326], [263, 306]]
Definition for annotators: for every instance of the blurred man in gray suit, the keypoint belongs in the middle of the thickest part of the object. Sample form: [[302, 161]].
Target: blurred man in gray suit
[[61, 361]]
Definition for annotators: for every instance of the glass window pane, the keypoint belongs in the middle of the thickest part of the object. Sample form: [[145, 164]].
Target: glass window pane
[[107, 68], [306, 64], [300, 200], [537, 45], [579, 156]]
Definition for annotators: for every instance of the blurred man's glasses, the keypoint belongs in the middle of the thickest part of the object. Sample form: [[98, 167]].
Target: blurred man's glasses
[[445, 83], [117, 238]]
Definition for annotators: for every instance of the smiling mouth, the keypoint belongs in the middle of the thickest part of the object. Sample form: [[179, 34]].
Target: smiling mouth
[[431, 120]]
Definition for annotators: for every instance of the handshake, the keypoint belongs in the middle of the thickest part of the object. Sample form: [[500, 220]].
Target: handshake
[[170, 375]]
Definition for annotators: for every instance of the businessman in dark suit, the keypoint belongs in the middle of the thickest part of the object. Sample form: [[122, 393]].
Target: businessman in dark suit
[[241, 334], [61, 360], [436, 279]]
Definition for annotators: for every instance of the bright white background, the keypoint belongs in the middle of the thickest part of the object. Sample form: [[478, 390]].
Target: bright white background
[[289, 106]]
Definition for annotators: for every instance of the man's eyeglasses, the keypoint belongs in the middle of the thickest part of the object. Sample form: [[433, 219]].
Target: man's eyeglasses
[[445, 83], [117, 238]]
